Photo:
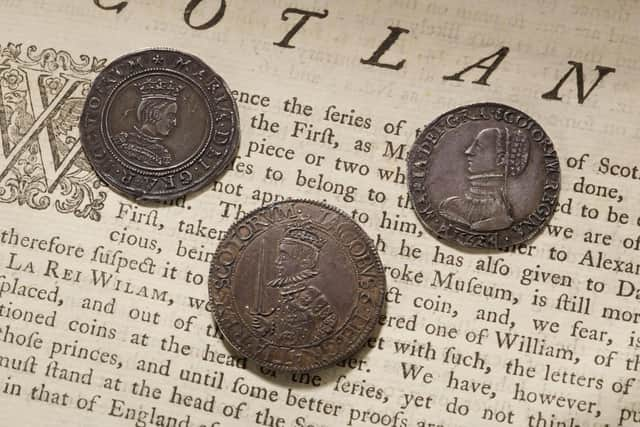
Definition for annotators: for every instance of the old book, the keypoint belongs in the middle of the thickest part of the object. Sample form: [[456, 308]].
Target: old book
[[103, 302]]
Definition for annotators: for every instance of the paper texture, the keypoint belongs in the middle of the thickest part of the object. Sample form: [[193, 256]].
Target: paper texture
[[103, 314]]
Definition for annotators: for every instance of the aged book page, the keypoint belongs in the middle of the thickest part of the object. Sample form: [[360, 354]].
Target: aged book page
[[103, 302]]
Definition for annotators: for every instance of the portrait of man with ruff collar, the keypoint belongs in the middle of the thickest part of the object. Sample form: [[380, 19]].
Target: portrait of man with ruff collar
[[156, 115], [302, 314], [493, 157]]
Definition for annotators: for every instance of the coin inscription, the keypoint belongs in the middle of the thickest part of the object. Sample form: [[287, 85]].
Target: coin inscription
[[158, 124], [296, 286], [484, 175]]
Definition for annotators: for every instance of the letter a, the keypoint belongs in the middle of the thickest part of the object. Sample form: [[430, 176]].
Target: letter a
[[577, 66], [500, 55]]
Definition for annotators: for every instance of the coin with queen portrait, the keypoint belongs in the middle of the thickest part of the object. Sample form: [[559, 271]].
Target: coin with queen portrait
[[484, 175]]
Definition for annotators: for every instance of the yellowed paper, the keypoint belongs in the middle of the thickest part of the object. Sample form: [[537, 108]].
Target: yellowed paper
[[103, 314]]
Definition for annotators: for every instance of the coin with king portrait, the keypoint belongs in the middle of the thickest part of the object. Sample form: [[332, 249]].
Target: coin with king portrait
[[296, 285], [158, 124], [484, 175]]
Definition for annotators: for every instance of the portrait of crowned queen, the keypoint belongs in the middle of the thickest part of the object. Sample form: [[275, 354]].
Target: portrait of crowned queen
[[302, 313], [493, 157], [156, 118]]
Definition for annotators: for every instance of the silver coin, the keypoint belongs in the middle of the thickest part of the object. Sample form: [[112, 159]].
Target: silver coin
[[158, 124], [484, 176]]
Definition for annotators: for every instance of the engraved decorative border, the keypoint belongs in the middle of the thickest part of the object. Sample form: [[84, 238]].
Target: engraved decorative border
[[51, 59], [78, 189]]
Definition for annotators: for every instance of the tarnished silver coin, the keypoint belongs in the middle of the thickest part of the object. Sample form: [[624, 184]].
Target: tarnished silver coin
[[296, 285], [484, 176], [158, 124]]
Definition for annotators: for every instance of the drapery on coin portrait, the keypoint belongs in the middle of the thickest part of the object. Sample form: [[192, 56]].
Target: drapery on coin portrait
[[494, 155], [158, 124], [156, 118], [302, 313], [484, 175], [296, 285]]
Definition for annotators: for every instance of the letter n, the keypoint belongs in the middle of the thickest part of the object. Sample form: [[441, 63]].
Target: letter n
[[577, 67], [499, 56]]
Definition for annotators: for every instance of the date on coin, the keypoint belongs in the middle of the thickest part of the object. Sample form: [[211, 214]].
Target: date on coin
[[296, 286], [484, 176], [158, 124]]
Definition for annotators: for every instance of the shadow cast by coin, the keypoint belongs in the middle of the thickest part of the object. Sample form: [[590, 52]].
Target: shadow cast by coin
[[316, 378], [185, 201], [520, 248]]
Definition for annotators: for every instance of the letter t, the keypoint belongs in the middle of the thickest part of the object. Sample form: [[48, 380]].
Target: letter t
[[306, 14]]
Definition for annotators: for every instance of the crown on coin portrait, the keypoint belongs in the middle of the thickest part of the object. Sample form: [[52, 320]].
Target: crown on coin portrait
[[303, 233], [159, 88]]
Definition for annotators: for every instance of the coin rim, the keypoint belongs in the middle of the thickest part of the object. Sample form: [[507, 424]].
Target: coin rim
[[356, 345], [142, 195], [443, 238]]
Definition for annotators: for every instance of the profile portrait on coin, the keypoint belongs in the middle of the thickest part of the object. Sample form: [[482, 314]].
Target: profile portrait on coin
[[494, 155], [156, 118], [302, 313], [484, 176]]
